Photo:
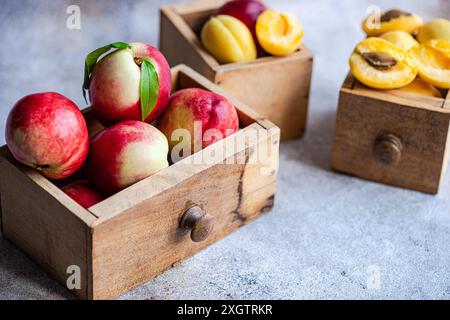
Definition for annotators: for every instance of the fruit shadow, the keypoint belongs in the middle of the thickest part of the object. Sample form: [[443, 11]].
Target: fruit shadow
[[21, 278], [314, 148]]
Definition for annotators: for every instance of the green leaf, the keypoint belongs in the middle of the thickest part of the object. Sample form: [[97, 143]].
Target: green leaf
[[149, 87], [92, 58]]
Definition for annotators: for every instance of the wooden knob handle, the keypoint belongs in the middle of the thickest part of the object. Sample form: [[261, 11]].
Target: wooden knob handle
[[388, 149], [200, 223]]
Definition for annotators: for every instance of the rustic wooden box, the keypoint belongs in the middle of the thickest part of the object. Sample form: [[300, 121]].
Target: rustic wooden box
[[277, 88], [135, 234], [391, 136]]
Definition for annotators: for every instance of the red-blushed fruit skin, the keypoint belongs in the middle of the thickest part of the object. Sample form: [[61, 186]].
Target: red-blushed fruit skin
[[104, 88], [83, 193], [48, 132], [104, 165], [212, 110], [248, 12]]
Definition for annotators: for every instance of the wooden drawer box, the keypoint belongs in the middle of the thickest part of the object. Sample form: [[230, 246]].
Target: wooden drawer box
[[391, 136], [277, 88], [135, 234]]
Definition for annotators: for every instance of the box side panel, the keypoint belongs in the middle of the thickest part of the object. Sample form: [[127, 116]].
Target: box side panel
[[192, 7], [1, 218], [43, 228], [423, 134], [180, 45], [446, 153], [278, 90], [140, 243]]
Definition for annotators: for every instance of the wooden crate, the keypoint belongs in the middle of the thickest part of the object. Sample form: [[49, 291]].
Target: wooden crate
[[276, 87], [391, 136], [136, 234]]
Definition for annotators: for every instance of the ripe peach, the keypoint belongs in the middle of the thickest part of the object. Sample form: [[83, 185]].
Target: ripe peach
[[124, 154], [83, 193], [195, 109], [228, 40], [47, 131], [280, 34], [114, 87]]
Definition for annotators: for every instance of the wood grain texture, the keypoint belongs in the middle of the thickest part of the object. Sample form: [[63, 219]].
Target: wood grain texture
[[1, 214], [191, 7], [276, 87], [142, 222], [47, 225], [135, 235], [398, 97], [180, 45], [149, 235], [421, 124], [447, 101]]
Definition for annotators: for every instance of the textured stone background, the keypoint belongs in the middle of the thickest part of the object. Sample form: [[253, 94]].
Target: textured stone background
[[327, 231]]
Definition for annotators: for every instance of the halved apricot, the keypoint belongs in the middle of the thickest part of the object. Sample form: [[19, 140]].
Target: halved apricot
[[379, 64], [280, 34], [391, 20], [401, 39], [228, 40], [435, 29], [421, 87], [433, 62]]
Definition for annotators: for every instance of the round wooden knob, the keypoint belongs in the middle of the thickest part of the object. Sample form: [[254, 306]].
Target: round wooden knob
[[388, 149], [198, 222]]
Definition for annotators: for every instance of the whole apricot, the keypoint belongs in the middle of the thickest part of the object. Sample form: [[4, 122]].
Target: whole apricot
[[228, 40], [391, 20], [435, 29], [280, 34]]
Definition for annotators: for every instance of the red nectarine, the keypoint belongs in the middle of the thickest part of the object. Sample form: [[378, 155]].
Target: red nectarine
[[83, 193], [189, 109], [47, 131], [124, 154], [132, 83]]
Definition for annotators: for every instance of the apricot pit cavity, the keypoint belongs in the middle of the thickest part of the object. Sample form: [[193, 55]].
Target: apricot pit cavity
[[380, 60], [393, 14]]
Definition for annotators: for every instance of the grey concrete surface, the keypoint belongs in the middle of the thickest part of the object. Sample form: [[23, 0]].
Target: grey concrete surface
[[330, 236]]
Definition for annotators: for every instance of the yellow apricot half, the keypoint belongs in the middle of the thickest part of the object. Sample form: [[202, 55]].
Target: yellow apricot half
[[391, 20], [433, 62], [435, 29], [228, 39], [421, 87], [401, 39], [379, 64], [280, 34]]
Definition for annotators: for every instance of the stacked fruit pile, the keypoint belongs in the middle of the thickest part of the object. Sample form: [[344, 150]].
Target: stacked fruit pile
[[129, 88], [402, 52], [242, 30]]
